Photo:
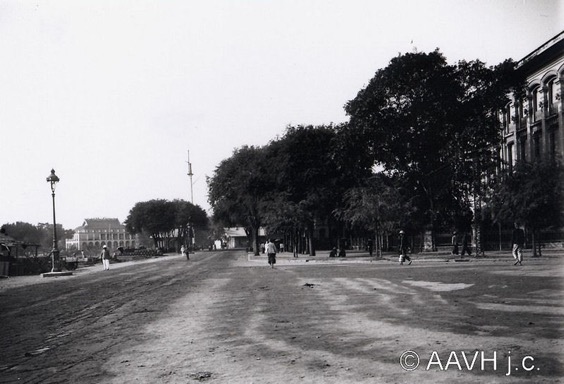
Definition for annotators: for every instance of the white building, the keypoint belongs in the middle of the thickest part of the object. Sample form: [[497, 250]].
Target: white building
[[95, 233]]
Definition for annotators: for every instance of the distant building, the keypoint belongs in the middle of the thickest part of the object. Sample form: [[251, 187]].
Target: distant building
[[95, 233], [236, 237], [533, 126]]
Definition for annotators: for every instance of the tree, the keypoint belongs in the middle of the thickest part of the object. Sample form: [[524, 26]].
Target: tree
[[432, 125], [313, 167], [27, 233], [376, 206], [40, 234], [187, 217], [165, 220], [475, 162], [156, 218], [530, 194], [237, 190]]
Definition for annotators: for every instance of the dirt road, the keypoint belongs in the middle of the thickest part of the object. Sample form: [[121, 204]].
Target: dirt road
[[224, 318]]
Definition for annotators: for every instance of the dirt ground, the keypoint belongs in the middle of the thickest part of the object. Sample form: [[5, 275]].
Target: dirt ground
[[227, 317]]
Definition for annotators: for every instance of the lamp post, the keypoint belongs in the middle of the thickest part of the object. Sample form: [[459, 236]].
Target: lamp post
[[53, 179]]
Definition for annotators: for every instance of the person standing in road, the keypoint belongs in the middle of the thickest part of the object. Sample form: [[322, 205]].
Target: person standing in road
[[518, 241], [403, 248], [105, 256], [454, 243], [271, 252]]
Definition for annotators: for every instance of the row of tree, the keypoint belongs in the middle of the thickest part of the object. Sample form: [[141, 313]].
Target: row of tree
[[160, 220], [37, 236], [166, 221], [420, 152]]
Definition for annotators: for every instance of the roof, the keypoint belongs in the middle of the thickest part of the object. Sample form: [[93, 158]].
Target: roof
[[101, 223], [548, 51], [240, 232]]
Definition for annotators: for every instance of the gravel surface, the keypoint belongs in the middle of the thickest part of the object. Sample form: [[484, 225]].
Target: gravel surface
[[227, 317]]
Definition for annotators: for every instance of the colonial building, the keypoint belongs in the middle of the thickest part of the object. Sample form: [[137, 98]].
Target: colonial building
[[95, 233], [533, 125]]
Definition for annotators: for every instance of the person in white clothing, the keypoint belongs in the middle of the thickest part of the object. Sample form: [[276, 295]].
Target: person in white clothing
[[105, 256], [271, 252]]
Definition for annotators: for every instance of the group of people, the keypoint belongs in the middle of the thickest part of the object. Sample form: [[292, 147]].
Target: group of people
[[517, 240], [517, 244], [465, 244]]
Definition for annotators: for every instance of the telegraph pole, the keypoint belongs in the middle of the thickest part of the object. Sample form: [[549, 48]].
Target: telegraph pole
[[190, 174]]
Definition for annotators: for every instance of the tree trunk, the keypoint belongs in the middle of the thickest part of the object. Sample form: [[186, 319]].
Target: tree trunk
[[310, 238], [256, 245], [536, 243]]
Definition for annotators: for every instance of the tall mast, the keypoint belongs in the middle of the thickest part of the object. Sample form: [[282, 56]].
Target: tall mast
[[190, 174]]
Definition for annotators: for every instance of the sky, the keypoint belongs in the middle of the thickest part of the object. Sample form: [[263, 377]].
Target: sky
[[116, 95]]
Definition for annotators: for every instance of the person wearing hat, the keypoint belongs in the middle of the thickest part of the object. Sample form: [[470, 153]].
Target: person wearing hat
[[105, 256], [403, 248]]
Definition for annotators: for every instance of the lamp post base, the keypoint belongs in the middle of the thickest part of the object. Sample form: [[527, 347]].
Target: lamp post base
[[56, 274]]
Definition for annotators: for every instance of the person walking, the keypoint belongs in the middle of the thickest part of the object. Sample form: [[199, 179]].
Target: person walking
[[465, 245], [403, 248], [184, 252], [518, 241], [105, 256], [454, 243], [271, 252]]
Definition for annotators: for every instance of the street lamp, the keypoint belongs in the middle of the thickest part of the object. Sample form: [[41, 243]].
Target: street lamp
[[53, 179]]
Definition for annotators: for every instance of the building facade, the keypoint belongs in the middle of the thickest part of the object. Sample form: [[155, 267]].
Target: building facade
[[533, 125], [93, 234]]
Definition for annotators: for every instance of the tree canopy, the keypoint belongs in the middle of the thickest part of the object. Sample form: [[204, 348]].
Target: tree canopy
[[163, 219], [419, 149], [435, 126]]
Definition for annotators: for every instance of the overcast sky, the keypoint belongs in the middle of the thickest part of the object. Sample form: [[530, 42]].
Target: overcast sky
[[113, 94]]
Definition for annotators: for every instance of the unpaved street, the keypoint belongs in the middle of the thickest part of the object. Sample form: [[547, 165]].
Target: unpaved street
[[226, 317]]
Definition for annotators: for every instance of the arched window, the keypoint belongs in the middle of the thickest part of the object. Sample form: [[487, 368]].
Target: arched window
[[551, 85], [536, 100]]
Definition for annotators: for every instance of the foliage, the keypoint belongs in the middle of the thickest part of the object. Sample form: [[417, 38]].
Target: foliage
[[531, 194], [238, 188], [40, 234], [162, 219], [375, 206], [313, 166], [434, 126]]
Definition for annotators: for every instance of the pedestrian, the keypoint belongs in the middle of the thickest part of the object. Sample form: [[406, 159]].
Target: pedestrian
[[105, 256], [184, 252], [518, 241], [342, 251], [370, 247], [403, 249], [281, 247], [333, 252], [465, 244], [454, 243], [271, 252]]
